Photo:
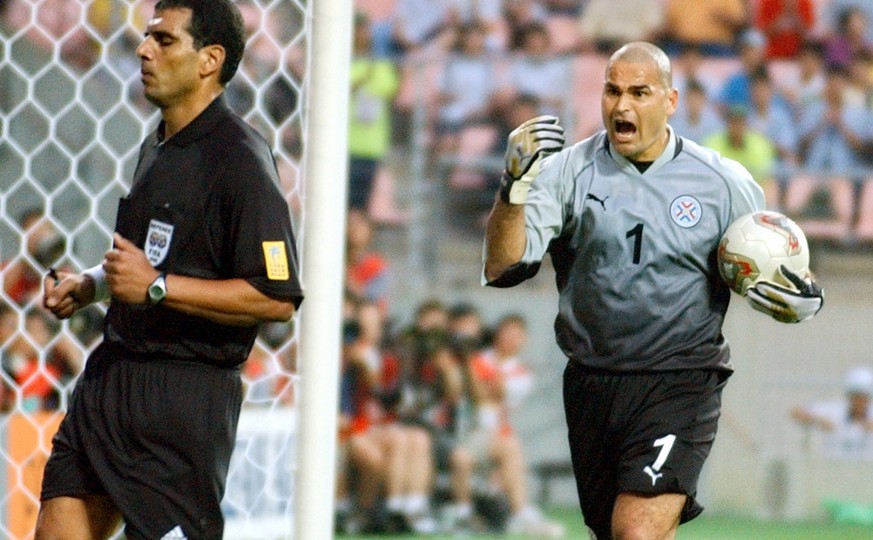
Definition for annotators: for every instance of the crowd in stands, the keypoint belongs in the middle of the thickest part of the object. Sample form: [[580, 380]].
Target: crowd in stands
[[427, 442], [783, 86]]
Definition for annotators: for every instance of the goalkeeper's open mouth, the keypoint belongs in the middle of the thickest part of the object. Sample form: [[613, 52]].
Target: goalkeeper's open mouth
[[623, 131]]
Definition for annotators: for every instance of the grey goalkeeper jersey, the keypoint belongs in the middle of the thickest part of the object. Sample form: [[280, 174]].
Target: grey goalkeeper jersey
[[635, 253]]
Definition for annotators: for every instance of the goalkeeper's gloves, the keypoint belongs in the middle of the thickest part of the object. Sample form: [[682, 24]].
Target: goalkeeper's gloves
[[785, 304], [526, 144]]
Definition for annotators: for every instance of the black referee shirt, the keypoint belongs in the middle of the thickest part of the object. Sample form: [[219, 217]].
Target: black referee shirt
[[206, 203]]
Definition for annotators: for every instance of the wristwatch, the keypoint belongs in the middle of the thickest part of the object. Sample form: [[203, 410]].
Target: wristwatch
[[157, 291]]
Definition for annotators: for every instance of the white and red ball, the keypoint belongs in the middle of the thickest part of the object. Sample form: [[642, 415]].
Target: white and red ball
[[755, 245]]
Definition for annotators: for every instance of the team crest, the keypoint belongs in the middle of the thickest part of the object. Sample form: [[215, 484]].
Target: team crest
[[158, 240], [685, 211]]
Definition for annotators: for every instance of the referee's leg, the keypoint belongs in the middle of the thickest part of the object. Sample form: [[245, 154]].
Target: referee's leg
[[638, 516], [91, 517]]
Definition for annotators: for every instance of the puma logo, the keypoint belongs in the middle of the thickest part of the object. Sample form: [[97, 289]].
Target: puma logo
[[595, 198], [655, 475]]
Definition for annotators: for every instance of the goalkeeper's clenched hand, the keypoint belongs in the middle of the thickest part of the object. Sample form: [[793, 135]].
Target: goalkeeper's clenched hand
[[526, 144], [784, 304]]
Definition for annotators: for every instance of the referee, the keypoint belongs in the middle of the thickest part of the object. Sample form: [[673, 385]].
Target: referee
[[203, 252], [631, 218]]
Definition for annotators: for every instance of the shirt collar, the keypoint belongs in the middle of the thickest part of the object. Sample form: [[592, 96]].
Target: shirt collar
[[201, 126], [670, 151]]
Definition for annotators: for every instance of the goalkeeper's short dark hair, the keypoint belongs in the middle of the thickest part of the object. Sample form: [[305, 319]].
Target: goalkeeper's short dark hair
[[214, 22]]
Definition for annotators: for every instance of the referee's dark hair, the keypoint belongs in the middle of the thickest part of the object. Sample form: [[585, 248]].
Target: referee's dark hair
[[214, 22]]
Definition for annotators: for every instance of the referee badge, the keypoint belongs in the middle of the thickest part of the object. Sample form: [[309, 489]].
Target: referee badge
[[685, 211], [158, 241], [276, 260]]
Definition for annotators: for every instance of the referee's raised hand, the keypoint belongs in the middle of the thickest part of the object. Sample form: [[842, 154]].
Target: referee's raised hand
[[128, 271]]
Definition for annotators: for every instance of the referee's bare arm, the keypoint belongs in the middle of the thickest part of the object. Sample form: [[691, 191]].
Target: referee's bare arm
[[505, 238], [232, 301]]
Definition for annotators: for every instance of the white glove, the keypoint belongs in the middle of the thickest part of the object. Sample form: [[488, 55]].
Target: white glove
[[784, 304], [528, 142]]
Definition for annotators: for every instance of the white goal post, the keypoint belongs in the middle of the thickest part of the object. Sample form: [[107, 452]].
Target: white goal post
[[72, 117], [323, 258]]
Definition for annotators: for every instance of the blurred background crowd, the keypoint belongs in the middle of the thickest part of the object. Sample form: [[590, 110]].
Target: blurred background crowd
[[429, 383]]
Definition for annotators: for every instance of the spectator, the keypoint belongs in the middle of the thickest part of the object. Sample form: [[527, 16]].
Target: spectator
[[486, 13], [564, 7], [466, 88], [860, 89], [750, 148], [431, 316], [849, 38], [390, 462], [536, 72], [374, 83], [418, 24], [835, 9], [808, 84], [772, 118], [709, 24], [832, 135], [848, 422], [688, 64], [518, 15], [432, 396], [786, 24], [411, 343], [362, 455], [737, 88], [491, 446], [600, 30], [523, 107], [367, 271], [696, 118], [466, 327]]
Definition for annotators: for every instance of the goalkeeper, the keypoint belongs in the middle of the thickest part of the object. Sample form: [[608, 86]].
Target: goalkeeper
[[631, 218], [203, 251]]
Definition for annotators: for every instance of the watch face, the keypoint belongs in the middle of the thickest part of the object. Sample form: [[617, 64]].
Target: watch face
[[157, 290]]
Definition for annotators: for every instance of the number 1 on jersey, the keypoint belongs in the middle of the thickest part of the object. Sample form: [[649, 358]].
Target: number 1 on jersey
[[637, 234]]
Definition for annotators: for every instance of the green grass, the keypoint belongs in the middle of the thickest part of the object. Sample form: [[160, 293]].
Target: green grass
[[702, 528]]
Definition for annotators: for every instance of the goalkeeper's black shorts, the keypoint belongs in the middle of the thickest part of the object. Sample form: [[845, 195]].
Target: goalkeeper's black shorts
[[646, 433], [155, 436]]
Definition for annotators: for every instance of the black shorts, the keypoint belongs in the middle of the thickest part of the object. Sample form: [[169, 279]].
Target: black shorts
[[156, 437], [645, 433]]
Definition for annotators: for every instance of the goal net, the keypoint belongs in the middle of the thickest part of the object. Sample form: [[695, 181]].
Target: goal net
[[72, 117]]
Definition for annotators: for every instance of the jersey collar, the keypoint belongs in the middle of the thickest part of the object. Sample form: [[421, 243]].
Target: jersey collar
[[674, 146], [199, 127]]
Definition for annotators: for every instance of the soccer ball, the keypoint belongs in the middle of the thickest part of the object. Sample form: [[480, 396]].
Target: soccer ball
[[756, 245]]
